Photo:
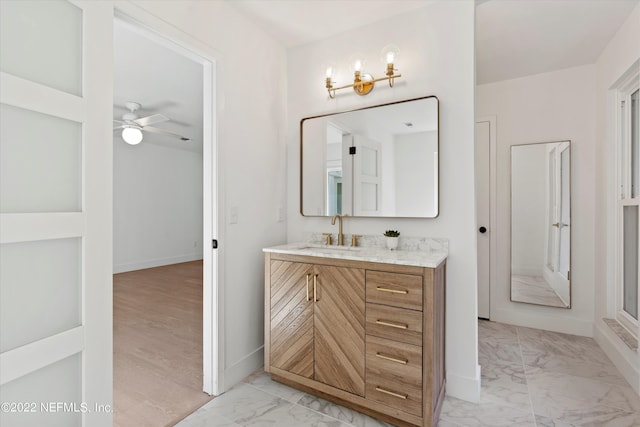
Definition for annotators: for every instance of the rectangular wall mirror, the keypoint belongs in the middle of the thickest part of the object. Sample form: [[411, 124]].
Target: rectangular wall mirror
[[378, 161], [541, 223]]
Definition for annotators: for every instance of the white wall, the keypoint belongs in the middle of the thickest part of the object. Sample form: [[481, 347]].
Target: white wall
[[251, 127], [413, 174], [157, 205], [617, 58], [437, 58], [553, 106]]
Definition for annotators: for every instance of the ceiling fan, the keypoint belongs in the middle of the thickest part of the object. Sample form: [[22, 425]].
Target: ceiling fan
[[132, 126]]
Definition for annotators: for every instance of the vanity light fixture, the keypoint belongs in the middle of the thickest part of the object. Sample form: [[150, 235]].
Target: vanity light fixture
[[363, 83]]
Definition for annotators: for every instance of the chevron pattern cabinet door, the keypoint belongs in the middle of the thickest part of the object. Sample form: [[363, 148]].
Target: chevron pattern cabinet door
[[291, 318], [339, 328]]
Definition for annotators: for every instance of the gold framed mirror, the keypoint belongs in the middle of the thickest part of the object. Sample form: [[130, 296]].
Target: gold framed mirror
[[379, 161]]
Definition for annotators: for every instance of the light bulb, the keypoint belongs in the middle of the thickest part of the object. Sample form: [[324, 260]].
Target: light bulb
[[358, 65], [132, 135], [329, 72], [391, 56]]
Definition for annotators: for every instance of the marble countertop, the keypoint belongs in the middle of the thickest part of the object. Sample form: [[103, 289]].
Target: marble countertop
[[419, 258]]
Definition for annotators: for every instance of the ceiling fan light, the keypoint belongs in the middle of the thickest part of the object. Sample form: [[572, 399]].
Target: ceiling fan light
[[132, 135]]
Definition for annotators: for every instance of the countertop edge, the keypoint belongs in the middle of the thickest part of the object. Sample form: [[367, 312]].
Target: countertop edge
[[377, 255]]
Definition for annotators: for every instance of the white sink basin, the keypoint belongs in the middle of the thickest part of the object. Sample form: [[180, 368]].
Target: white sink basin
[[325, 249]]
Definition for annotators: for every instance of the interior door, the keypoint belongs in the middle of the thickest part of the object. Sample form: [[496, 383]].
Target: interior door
[[483, 132], [367, 180], [565, 213], [347, 174], [557, 255], [56, 212]]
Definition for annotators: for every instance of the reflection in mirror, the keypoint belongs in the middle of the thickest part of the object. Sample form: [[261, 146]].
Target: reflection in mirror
[[376, 162], [541, 223]]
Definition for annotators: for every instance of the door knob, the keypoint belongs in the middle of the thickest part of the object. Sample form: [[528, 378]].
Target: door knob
[[482, 229]]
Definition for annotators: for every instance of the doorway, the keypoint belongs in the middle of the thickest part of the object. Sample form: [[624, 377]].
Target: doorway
[[165, 38], [485, 207]]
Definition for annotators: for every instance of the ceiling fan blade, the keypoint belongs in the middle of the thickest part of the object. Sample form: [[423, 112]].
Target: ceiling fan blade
[[149, 120], [164, 132], [119, 127]]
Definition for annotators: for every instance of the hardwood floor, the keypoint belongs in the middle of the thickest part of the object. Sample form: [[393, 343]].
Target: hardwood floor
[[157, 361]]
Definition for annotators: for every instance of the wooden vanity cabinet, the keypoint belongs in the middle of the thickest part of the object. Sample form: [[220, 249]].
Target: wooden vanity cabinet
[[317, 323], [369, 336]]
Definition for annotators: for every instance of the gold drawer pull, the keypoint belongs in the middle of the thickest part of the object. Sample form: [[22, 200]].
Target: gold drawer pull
[[308, 296], [392, 359], [391, 393], [393, 291], [392, 324]]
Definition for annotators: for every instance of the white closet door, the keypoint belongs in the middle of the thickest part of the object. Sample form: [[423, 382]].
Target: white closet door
[[367, 181], [56, 212], [483, 212], [565, 213]]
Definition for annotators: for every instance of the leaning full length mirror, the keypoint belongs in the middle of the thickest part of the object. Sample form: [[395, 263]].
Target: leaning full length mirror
[[376, 162], [541, 223]]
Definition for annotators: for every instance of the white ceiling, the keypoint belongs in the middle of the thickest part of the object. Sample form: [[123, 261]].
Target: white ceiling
[[390, 119], [150, 72], [298, 22], [514, 38]]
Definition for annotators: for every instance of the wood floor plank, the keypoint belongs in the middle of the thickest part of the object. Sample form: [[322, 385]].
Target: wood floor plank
[[157, 341]]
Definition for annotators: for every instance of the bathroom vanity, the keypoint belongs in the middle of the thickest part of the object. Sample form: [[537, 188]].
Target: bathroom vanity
[[362, 327]]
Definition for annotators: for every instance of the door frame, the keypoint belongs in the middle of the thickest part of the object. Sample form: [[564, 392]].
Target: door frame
[[493, 207], [171, 37]]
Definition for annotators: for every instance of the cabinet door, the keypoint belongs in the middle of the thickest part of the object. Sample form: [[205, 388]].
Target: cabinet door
[[339, 328], [292, 317]]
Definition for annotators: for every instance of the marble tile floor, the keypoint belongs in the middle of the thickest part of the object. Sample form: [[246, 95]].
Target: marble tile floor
[[529, 378], [534, 290]]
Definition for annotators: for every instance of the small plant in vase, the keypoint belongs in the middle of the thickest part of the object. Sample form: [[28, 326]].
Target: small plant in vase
[[392, 238]]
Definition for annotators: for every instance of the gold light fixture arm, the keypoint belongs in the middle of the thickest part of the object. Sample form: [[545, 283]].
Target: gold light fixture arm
[[360, 83]]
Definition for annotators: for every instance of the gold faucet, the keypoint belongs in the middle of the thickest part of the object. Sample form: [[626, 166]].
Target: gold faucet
[[340, 235]]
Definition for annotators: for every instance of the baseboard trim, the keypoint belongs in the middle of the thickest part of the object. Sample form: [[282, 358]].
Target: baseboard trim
[[624, 359], [141, 265], [549, 321], [243, 368], [464, 388]]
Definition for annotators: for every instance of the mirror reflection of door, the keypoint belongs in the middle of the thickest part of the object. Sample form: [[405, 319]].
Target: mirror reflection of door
[[334, 191], [565, 211], [366, 177], [541, 206]]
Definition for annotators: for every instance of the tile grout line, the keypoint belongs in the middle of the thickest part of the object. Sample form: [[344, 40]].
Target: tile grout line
[[526, 377]]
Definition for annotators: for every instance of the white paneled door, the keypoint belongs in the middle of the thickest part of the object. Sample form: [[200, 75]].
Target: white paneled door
[[366, 177], [485, 219], [56, 213]]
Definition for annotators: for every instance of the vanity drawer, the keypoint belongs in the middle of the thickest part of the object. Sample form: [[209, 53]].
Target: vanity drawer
[[394, 393], [397, 324], [394, 360], [399, 290]]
